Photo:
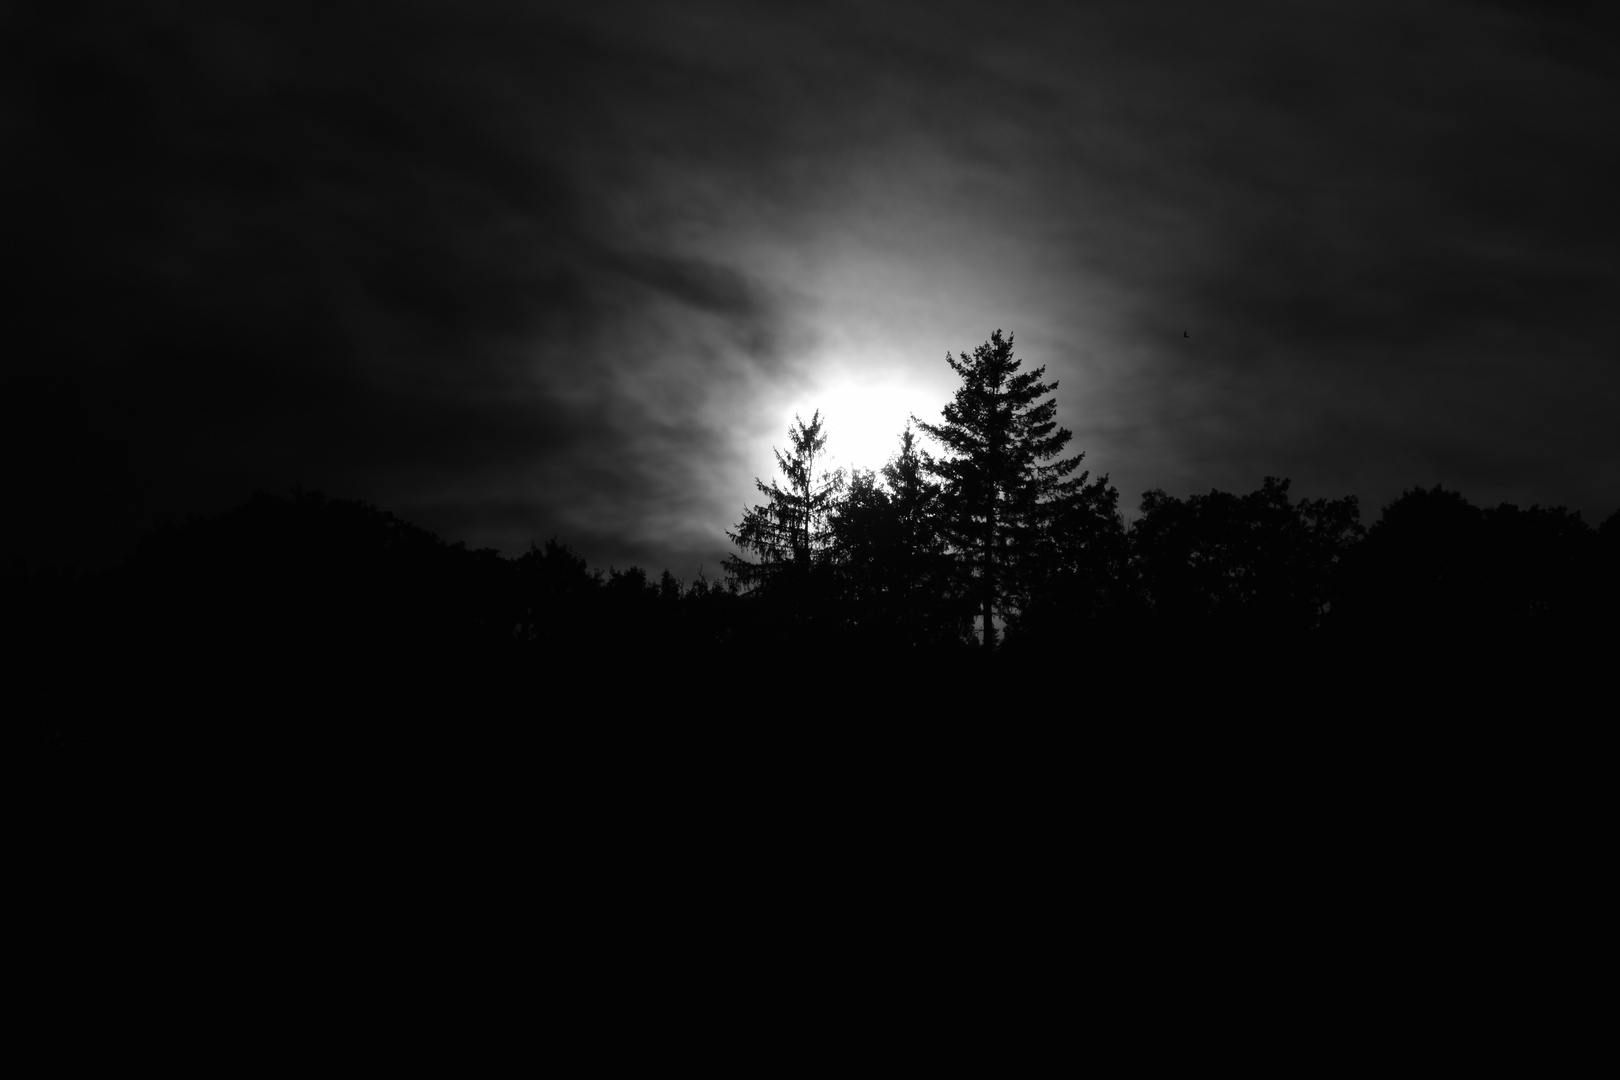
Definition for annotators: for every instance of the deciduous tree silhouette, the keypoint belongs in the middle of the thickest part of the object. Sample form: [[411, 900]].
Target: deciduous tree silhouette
[[1437, 569], [1256, 563], [996, 494]]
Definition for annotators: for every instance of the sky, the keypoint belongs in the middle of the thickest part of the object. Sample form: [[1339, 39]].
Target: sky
[[515, 270]]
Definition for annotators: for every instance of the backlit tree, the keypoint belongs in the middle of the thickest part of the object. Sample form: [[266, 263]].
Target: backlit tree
[[791, 534], [997, 492]]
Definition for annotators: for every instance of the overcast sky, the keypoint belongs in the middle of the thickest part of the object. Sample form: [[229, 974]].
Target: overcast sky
[[515, 270]]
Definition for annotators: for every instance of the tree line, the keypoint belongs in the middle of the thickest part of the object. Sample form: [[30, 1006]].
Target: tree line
[[1000, 542], [993, 546]]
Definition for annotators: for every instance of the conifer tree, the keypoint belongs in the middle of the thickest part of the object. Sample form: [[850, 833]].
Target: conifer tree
[[996, 493], [915, 496], [891, 556], [791, 534]]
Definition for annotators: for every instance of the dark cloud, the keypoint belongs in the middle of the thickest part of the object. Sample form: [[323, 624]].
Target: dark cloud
[[326, 245], [1414, 288], [1384, 227], [514, 269]]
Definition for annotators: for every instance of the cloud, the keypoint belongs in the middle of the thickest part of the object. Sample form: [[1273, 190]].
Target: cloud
[[319, 244], [1385, 229], [514, 269]]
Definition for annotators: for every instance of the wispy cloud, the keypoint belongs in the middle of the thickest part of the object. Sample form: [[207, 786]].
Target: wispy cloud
[[516, 270]]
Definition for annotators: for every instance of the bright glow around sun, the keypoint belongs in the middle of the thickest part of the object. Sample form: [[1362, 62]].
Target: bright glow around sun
[[863, 419]]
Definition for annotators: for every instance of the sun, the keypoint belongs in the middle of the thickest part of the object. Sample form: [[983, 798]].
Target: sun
[[863, 419]]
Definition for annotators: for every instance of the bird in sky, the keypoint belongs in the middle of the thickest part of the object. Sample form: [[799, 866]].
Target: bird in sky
[[1184, 333]]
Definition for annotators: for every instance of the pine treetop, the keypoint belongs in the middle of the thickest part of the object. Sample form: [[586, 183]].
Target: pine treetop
[[998, 430], [792, 528]]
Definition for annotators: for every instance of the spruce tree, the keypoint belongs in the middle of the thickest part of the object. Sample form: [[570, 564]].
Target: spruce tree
[[997, 494], [791, 534]]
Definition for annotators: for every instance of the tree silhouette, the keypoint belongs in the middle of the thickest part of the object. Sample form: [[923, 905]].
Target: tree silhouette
[[1256, 563], [1075, 587], [892, 558], [555, 596], [996, 495], [1436, 567], [1421, 568], [791, 533]]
